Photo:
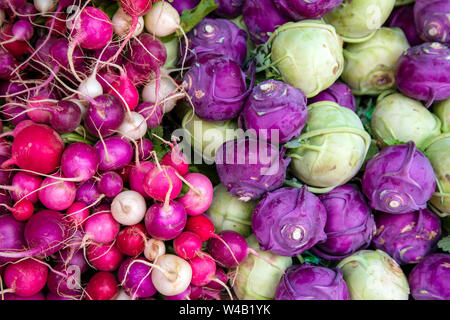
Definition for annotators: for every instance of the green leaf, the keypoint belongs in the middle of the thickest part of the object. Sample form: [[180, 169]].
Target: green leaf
[[190, 18], [444, 244], [159, 146], [293, 144]]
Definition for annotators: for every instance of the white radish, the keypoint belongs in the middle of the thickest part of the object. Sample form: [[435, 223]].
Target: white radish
[[128, 208], [134, 126], [122, 295], [154, 248], [45, 5], [90, 87], [176, 276], [162, 19], [166, 94], [122, 24]]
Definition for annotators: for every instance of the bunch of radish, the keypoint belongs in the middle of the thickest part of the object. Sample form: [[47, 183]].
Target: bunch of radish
[[88, 209]]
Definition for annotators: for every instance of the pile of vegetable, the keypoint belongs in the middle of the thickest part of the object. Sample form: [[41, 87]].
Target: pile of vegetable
[[224, 149]]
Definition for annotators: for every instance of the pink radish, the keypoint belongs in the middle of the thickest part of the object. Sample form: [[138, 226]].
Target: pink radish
[[187, 245], [161, 181], [23, 186], [125, 90], [203, 269], [92, 29], [137, 176], [104, 257], [57, 194], [199, 197], [101, 226], [77, 214], [25, 278], [110, 184]]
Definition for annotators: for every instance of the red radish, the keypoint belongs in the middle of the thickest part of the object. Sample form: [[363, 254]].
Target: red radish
[[172, 276], [57, 194], [128, 208], [77, 214], [198, 199], [59, 27], [22, 210], [92, 29], [165, 221], [25, 278], [161, 181], [38, 109], [36, 148], [101, 227], [176, 160], [154, 248], [104, 257], [79, 161], [125, 173], [18, 47], [102, 286], [137, 176], [203, 269], [131, 240], [187, 245], [125, 90], [201, 225]]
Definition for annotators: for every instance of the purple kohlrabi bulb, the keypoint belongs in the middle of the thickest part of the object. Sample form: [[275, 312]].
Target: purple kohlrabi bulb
[[399, 179], [217, 36], [403, 17], [407, 237], [249, 167], [432, 20], [275, 105], [262, 17], [430, 278], [340, 93], [350, 224], [423, 72], [289, 221], [306, 9], [309, 282]]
